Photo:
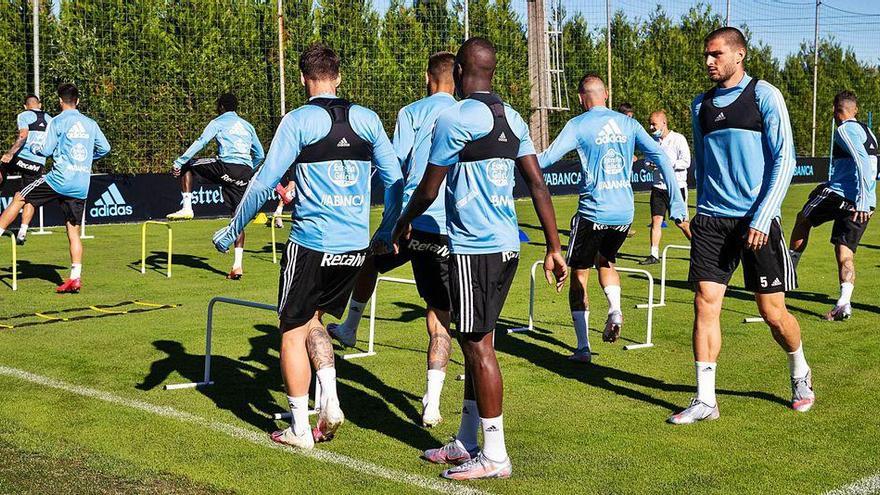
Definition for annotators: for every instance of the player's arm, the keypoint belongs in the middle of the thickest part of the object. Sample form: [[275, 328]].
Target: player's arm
[[564, 143], [647, 145], [203, 140], [697, 134], [257, 153], [389, 171], [850, 137], [17, 145], [404, 138], [102, 146]]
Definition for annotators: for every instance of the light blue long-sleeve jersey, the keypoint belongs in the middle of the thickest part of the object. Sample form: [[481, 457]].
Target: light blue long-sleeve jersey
[[74, 142], [412, 143], [854, 177], [331, 211], [237, 142], [24, 121], [743, 173], [605, 141]]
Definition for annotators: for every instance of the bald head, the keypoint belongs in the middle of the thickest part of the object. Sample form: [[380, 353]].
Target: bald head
[[658, 123], [474, 66], [592, 92]]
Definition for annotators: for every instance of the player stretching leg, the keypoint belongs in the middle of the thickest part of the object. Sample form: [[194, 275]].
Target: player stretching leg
[[73, 141], [331, 144], [32, 125], [744, 161], [239, 152], [477, 142], [427, 244], [848, 198], [605, 140]]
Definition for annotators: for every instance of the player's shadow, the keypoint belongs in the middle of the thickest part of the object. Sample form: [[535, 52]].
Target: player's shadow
[[28, 270], [538, 229], [869, 246], [158, 261], [409, 313]]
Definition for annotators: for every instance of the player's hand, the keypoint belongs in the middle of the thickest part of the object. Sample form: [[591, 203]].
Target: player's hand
[[223, 239], [175, 171], [756, 239], [685, 226], [400, 231], [555, 268], [862, 216], [6, 158], [380, 247]]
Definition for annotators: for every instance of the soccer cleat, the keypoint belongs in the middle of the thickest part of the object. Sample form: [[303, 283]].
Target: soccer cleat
[[330, 418], [802, 395], [235, 274], [839, 313], [430, 414], [338, 332], [452, 453], [650, 260], [181, 214], [288, 437], [480, 467], [582, 355], [70, 286], [612, 326], [697, 411], [20, 239]]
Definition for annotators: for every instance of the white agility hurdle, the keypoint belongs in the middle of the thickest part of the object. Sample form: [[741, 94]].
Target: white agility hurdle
[[650, 305], [663, 275], [371, 341], [14, 263]]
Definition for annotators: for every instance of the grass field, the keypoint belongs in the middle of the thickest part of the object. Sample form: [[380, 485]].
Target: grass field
[[82, 409]]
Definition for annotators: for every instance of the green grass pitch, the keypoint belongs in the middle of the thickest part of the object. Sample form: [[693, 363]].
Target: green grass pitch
[[569, 428]]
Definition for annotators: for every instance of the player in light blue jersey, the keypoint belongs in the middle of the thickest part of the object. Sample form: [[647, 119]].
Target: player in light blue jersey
[[848, 198], [427, 245], [476, 145], [744, 162], [32, 125], [330, 143], [73, 141], [605, 140]]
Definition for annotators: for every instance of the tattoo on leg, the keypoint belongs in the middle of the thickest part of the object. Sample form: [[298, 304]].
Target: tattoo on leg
[[320, 347], [847, 271], [439, 347]]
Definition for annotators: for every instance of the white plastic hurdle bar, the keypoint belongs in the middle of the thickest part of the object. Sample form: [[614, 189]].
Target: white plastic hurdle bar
[[144, 245], [663, 275], [371, 341], [531, 325]]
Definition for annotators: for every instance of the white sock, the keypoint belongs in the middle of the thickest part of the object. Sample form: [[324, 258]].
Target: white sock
[[493, 438], [655, 251], [797, 363], [299, 414], [612, 292], [355, 312], [706, 382], [581, 321], [470, 423], [846, 290], [76, 270], [327, 377], [22, 231], [435, 387], [187, 201], [239, 252]]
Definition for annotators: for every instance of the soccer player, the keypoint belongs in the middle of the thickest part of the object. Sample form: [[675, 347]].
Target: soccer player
[[477, 142], [73, 141], [32, 124], [604, 139], [848, 198], [427, 244], [239, 152], [744, 162], [330, 142], [627, 109], [676, 148]]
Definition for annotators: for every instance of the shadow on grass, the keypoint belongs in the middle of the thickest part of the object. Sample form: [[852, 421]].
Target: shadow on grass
[[28, 270], [157, 261]]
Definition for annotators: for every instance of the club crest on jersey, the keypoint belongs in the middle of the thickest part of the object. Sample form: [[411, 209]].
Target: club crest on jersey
[[612, 162], [238, 130], [499, 172], [242, 146], [78, 152], [610, 133], [356, 259], [343, 174], [77, 131]]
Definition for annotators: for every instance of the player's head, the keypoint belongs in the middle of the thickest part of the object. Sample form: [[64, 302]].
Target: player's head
[[846, 106], [438, 76], [475, 65], [627, 109], [659, 124], [725, 50], [68, 95], [592, 91], [32, 102], [319, 66], [226, 102]]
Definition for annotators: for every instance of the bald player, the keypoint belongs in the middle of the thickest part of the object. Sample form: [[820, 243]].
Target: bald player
[[477, 143]]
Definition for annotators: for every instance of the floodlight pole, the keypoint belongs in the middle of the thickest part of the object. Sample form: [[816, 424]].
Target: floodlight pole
[[727, 21], [467, 22], [815, 77], [608, 48], [36, 22], [281, 55]]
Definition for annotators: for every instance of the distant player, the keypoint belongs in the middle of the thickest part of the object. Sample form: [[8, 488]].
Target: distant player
[[73, 141], [330, 143], [676, 148], [627, 109], [848, 198], [744, 162], [604, 140], [19, 160], [477, 142], [239, 152], [427, 245]]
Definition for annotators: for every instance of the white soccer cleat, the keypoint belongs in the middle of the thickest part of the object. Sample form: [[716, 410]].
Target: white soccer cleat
[[181, 214], [347, 338], [839, 313], [697, 411], [430, 414], [480, 467], [582, 355], [330, 418], [451, 453], [802, 395], [288, 437], [613, 324]]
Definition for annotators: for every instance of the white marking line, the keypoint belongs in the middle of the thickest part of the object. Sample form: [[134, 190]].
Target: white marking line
[[252, 436], [864, 486]]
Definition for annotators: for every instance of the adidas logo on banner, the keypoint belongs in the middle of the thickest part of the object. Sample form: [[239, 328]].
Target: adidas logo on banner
[[502, 138], [77, 131], [610, 133], [343, 143], [776, 282], [720, 117], [110, 204]]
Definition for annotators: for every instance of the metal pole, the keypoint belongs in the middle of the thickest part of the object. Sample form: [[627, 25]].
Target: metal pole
[[815, 77], [608, 48], [467, 22], [727, 22], [281, 55], [36, 23]]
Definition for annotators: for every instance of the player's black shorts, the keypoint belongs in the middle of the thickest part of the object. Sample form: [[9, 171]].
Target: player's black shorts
[[28, 170], [232, 178], [718, 245], [429, 254], [660, 201], [588, 239], [479, 284], [825, 205], [312, 280], [38, 193]]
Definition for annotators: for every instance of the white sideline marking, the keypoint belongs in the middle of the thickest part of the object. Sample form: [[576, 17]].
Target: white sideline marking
[[252, 436], [864, 486]]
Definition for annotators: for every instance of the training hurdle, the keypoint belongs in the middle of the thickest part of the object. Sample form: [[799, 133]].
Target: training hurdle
[[274, 249], [14, 263], [144, 244], [636, 271], [371, 341], [663, 275]]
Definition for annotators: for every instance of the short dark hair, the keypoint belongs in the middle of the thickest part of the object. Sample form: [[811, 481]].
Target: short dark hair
[[626, 107], [319, 62], [589, 76], [227, 102], [846, 95], [731, 35], [68, 93], [440, 65], [29, 97]]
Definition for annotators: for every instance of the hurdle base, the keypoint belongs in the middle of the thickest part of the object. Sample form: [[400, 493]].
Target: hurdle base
[[753, 319], [632, 347], [179, 386], [519, 329], [359, 355]]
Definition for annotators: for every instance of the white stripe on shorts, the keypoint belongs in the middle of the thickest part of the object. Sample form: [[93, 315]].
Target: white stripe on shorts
[[289, 272], [813, 203], [33, 185], [571, 237]]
